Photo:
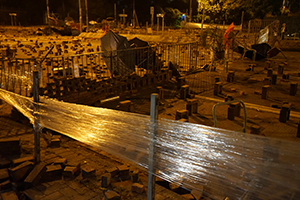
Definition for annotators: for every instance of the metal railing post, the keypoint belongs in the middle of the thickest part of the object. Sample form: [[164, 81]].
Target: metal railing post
[[151, 172], [35, 89]]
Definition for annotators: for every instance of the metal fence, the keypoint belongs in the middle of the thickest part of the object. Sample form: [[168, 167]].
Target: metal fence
[[189, 57], [16, 73]]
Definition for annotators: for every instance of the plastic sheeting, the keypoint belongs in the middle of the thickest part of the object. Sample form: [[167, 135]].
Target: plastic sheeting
[[228, 164]]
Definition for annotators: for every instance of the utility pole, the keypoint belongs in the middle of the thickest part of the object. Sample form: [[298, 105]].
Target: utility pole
[[190, 11], [86, 16], [48, 15], [80, 15]]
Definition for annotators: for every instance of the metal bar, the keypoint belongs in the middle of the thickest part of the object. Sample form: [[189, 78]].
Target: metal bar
[[229, 102], [37, 149], [151, 172]]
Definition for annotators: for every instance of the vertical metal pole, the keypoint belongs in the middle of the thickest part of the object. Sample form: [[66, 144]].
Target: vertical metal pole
[[80, 15], [163, 25], [48, 20], [35, 89], [190, 11], [157, 24], [115, 11], [202, 20], [242, 21], [151, 172], [86, 16]]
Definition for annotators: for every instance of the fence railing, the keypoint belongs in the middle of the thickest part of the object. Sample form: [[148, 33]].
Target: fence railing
[[16, 73]]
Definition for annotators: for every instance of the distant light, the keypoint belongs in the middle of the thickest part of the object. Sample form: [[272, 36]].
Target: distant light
[[183, 17]]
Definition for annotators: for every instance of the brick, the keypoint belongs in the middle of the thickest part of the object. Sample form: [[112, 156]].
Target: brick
[[11, 195], [188, 196], [36, 174], [274, 79], [5, 185], [88, 172], [135, 176], [113, 171], [218, 88], [230, 76], [184, 92], [53, 172], [71, 171], [105, 180], [21, 171], [264, 92], [280, 69], [123, 170], [138, 188], [111, 195], [60, 161], [197, 194], [55, 142], [4, 175], [181, 114], [293, 88], [255, 129], [4, 163], [174, 186], [9, 147], [192, 106], [19, 161], [270, 72], [231, 113]]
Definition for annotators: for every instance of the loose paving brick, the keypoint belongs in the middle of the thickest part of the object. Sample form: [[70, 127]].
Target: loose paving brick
[[53, 172], [111, 195], [113, 171], [105, 180], [4, 163], [138, 188], [5, 185], [21, 171], [4, 175], [88, 172], [11, 195], [19, 161], [36, 174]]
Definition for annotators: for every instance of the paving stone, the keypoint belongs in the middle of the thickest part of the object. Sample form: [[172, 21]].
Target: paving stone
[[53, 172], [198, 193], [36, 174], [111, 195], [188, 196], [138, 188], [174, 186], [88, 172], [71, 171], [21, 171], [19, 161], [33, 194], [68, 192], [4, 163], [113, 171], [4, 175], [11, 195], [60, 161], [135, 176], [105, 180], [5, 185], [54, 196]]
